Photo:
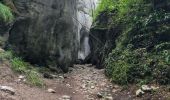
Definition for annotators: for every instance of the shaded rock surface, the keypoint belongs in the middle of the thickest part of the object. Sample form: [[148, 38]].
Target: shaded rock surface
[[102, 38], [52, 32], [46, 32], [85, 13]]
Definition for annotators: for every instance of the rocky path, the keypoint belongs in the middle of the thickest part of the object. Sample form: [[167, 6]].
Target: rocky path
[[83, 82]]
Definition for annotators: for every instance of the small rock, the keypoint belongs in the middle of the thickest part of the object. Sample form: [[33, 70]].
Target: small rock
[[62, 77], [7, 89], [65, 76], [99, 95], [24, 80], [48, 76], [146, 88], [139, 92], [19, 80], [21, 77], [54, 76], [66, 97], [83, 86], [51, 91], [109, 98], [103, 84], [91, 98], [114, 90], [116, 86], [68, 85], [154, 88], [92, 87]]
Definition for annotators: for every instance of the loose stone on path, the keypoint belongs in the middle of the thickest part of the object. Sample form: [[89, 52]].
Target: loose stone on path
[[7, 89]]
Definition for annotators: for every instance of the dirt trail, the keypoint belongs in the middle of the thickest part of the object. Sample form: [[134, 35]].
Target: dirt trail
[[83, 82]]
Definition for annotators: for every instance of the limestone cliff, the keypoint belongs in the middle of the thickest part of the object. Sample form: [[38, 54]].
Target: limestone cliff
[[52, 32]]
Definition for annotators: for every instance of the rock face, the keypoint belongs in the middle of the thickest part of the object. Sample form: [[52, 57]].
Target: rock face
[[46, 32], [85, 17], [52, 32], [102, 39], [3, 28]]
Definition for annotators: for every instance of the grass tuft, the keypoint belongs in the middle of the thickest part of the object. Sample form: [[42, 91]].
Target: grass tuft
[[19, 66]]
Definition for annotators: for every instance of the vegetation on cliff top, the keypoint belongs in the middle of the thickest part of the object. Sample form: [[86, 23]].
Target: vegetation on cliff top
[[142, 52], [5, 13]]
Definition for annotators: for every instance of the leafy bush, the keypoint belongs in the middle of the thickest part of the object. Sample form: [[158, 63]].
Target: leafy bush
[[138, 66], [104, 5], [5, 13], [142, 52]]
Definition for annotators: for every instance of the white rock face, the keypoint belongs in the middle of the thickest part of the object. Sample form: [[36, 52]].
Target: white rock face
[[53, 32], [84, 18]]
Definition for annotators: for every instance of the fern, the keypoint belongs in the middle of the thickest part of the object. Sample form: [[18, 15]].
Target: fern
[[5, 13]]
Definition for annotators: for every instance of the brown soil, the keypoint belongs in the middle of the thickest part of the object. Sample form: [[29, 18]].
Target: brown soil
[[84, 82]]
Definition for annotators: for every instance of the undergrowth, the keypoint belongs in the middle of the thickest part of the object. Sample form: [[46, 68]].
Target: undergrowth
[[21, 67], [5, 13], [142, 51], [138, 66]]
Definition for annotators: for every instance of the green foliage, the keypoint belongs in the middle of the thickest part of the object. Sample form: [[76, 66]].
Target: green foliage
[[21, 67], [138, 66], [142, 52], [104, 5], [6, 55], [5, 13]]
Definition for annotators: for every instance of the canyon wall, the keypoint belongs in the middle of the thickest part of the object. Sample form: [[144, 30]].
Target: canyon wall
[[52, 32]]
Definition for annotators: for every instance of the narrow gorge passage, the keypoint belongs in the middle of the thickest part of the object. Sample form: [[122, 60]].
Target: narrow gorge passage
[[84, 50]]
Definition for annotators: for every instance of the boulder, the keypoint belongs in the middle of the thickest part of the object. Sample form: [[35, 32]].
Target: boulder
[[54, 33], [46, 33]]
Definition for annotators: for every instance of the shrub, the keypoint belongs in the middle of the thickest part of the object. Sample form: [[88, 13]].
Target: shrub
[[136, 66], [104, 5], [142, 52], [5, 13]]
